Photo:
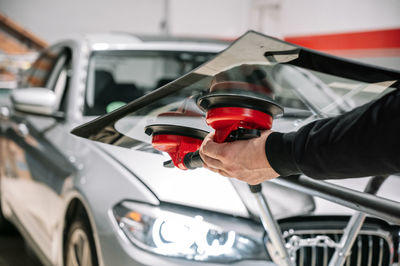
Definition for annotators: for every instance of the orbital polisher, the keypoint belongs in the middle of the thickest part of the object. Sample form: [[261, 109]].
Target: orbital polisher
[[237, 111], [171, 132]]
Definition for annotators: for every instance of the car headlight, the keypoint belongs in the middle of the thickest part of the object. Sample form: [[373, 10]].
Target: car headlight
[[188, 233]]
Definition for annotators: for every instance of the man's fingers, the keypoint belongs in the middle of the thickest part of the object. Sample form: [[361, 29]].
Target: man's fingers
[[211, 162], [210, 148], [218, 171]]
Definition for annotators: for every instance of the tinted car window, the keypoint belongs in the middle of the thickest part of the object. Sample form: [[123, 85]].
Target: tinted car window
[[39, 73], [118, 77], [60, 77]]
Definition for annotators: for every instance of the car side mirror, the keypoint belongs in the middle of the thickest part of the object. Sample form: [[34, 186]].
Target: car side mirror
[[37, 101]]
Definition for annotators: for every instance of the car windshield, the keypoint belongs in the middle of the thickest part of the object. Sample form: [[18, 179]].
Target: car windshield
[[308, 85], [118, 77]]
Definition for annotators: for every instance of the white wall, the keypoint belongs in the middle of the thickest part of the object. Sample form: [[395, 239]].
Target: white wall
[[331, 16], [212, 18], [53, 19]]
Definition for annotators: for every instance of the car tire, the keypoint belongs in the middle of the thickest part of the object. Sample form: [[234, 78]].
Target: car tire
[[5, 226], [80, 249]]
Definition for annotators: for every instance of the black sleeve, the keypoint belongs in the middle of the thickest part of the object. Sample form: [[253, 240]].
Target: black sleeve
[[362, 142]]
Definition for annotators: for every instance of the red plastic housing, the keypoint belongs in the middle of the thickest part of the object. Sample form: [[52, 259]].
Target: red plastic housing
[[176, 146], [227, 119]]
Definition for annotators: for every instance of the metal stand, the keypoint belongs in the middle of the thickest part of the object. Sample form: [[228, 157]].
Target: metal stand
[[275, 243], [354, 226], [285, 254]]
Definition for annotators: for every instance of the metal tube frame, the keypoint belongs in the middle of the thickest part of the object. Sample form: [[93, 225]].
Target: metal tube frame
[[360, 201], [275, 243], [353, 227], [350, 233]]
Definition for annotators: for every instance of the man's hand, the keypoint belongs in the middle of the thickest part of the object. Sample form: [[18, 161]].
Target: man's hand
[[241, 159]]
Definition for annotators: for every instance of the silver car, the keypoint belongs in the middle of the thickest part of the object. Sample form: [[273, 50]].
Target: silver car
[[80, 202]]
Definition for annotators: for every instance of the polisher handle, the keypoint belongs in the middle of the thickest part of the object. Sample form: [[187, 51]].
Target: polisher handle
[[192, 160], [243, 134]]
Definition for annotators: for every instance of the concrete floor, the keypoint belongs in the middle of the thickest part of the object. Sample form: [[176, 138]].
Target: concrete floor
[[14, 252]]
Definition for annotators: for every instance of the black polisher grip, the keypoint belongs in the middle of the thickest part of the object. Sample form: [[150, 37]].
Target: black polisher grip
[[255, 188], [192, 160]]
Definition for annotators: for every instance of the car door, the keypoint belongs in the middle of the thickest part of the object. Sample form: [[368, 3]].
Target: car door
[[34, 171]]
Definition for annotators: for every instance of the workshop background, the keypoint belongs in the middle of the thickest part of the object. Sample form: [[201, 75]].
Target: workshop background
[[28, 26], [340, 27]]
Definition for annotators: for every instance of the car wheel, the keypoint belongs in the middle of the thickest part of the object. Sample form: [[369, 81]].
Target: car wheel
[[3, 222], [80, 249], [5, 226]]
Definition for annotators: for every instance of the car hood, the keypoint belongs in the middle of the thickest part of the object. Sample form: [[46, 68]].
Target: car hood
[[204, 189]]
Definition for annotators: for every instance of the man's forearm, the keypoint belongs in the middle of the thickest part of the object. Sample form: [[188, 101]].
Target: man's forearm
[[362, 142]]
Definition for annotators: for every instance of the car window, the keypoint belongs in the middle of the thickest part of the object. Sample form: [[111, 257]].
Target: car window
[[118, 77], [60, 77], [40, 72], [51, 70]]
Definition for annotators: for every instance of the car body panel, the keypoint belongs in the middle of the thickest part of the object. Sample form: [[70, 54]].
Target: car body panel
[[182, 187], [188, 187]]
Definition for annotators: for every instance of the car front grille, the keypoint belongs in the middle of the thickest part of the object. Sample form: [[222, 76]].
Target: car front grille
[[371, 248]]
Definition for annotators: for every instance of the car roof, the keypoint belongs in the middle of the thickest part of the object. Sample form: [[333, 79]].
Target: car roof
[[129, 41]]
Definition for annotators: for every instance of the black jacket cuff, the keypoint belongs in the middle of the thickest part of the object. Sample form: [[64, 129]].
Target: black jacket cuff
[[279, 152]]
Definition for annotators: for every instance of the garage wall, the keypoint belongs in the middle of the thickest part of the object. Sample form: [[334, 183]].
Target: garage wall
[[219, 18], [326, 16], [53, 19]]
